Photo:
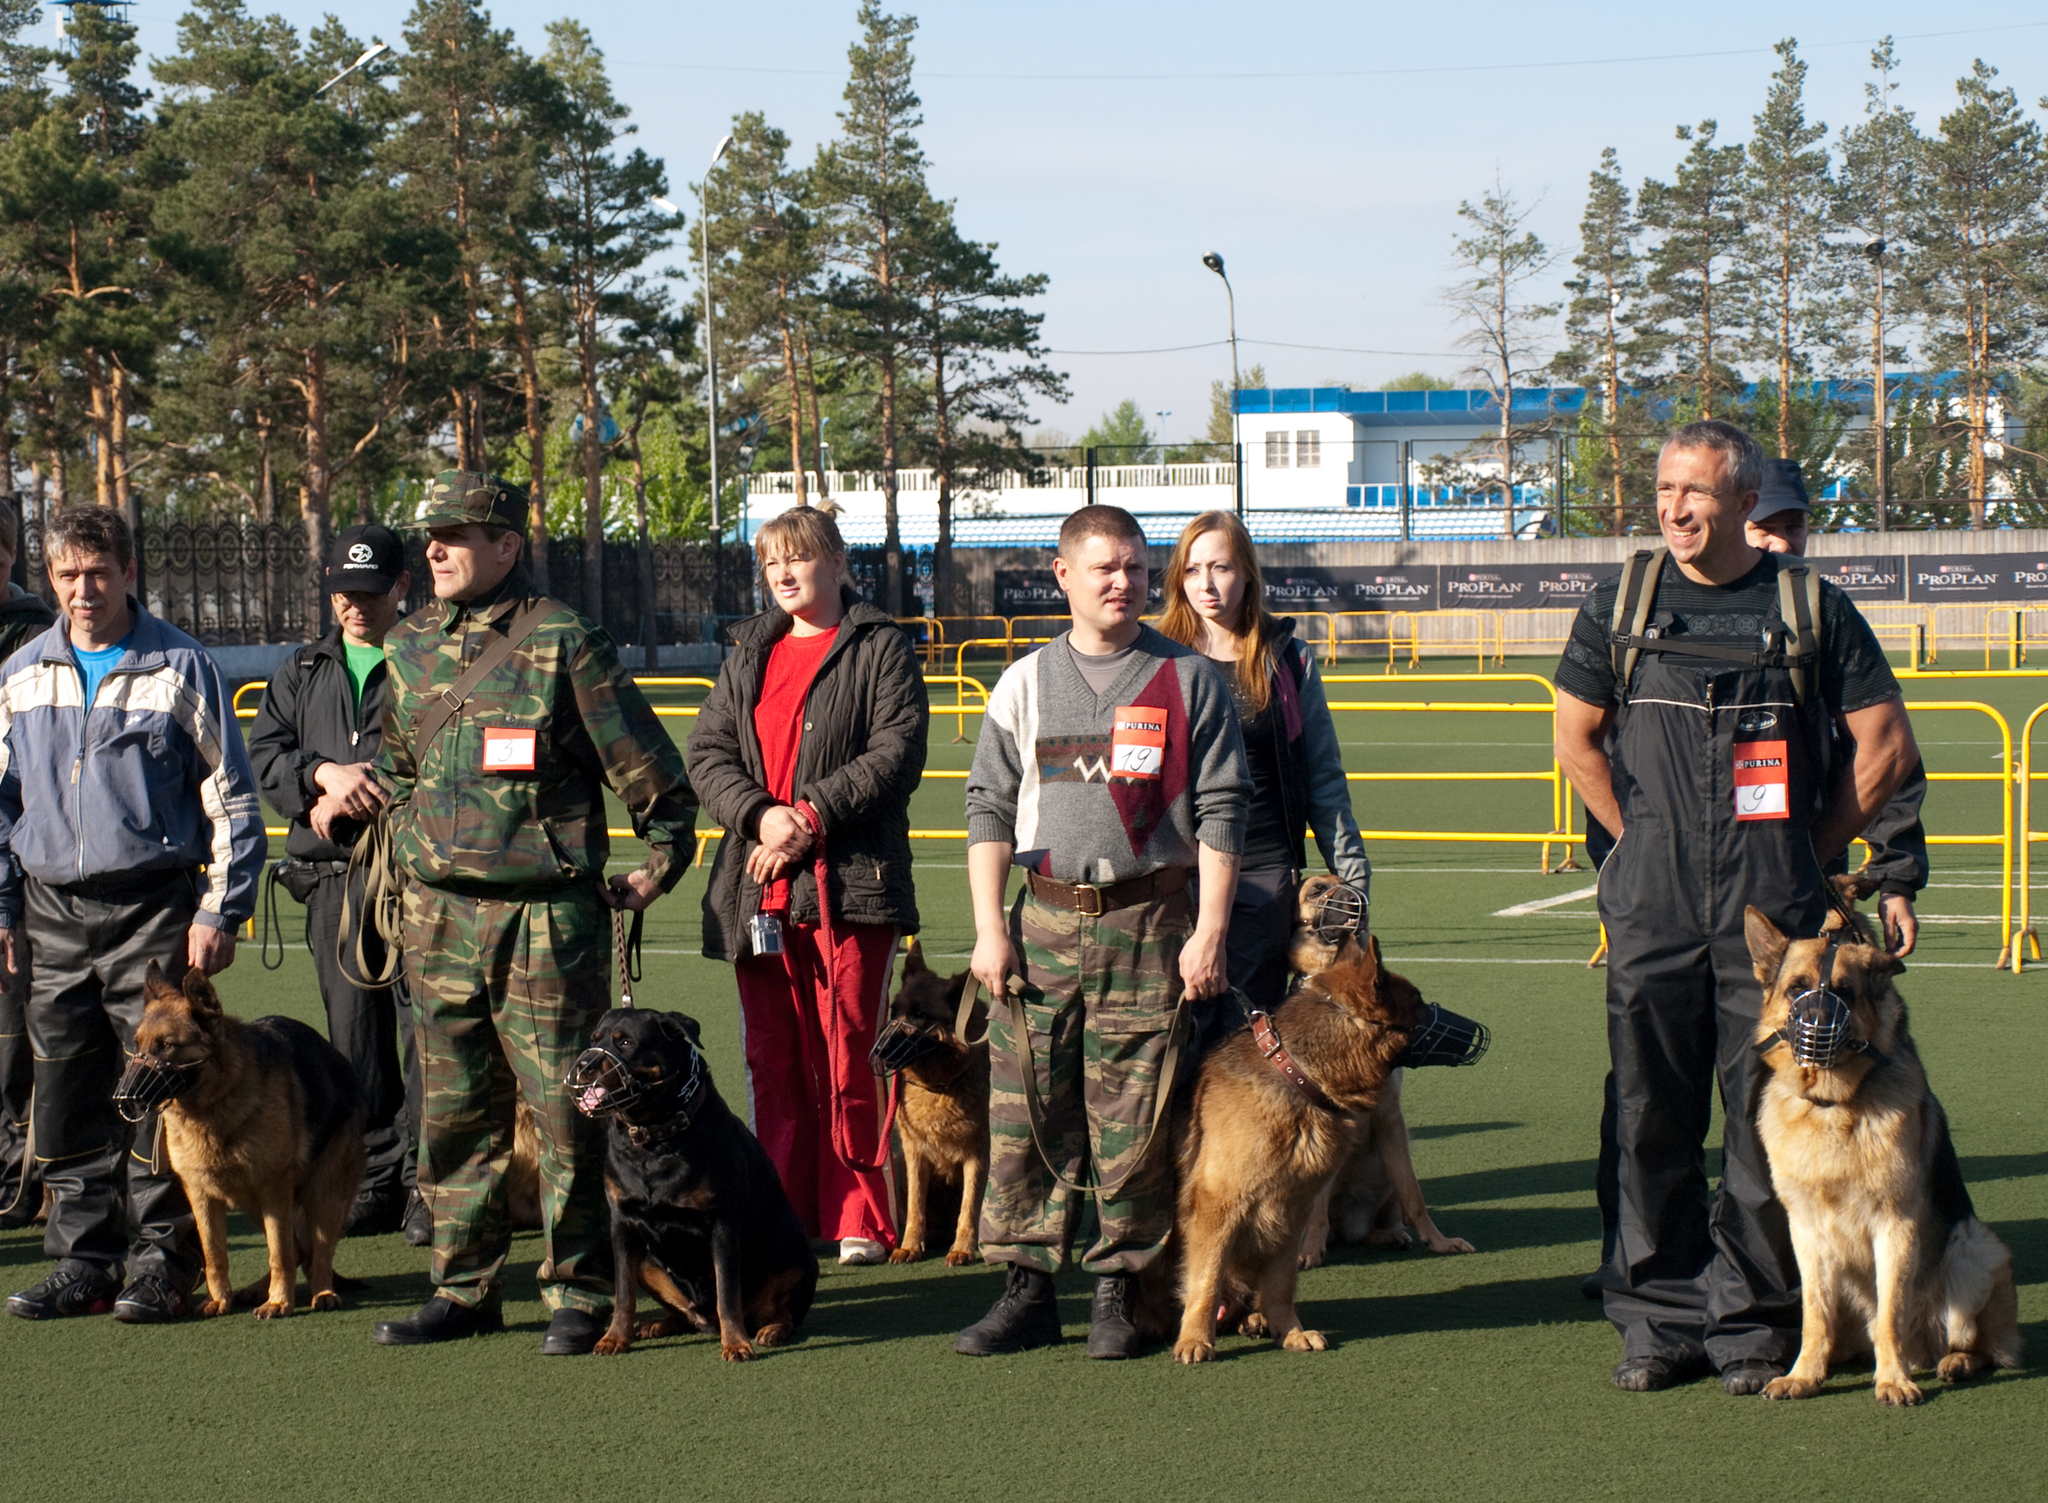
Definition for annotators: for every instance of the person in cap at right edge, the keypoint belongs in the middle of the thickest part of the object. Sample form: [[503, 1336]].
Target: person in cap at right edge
[[1756, 728], [498, 819]]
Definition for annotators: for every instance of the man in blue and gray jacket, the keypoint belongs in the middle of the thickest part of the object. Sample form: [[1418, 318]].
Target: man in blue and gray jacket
[[122, 774]]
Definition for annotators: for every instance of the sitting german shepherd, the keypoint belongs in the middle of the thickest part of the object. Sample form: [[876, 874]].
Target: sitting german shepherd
[[697, 1207], [1271, 1118], [943, 1113], [1848, 1126], [1374, 1196], [263, 1116]]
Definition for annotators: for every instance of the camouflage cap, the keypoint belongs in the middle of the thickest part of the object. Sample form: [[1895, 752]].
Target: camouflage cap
[[460, 496]]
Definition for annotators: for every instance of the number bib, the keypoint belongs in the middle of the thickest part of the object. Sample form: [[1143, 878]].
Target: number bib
[[1761, 777], [508, 750], [1137, 742]]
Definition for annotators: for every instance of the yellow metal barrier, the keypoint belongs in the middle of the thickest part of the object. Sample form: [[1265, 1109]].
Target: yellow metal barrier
[[961, 684], [2027, 778], [2004, 778]]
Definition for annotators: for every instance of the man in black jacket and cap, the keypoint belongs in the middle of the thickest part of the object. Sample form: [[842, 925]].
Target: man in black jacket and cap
[[319, 729], [22, 617]]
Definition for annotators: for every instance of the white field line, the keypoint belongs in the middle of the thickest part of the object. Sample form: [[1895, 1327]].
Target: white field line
[[1522, 909]]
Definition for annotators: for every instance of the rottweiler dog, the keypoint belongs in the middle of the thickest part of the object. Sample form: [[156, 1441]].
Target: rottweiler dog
[[695, 1203]]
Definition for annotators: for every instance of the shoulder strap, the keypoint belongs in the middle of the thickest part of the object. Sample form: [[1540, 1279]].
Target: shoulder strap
[[435, 715], [1633, 602], [1799, 608]]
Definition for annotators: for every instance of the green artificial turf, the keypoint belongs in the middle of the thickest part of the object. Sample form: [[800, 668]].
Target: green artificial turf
[[1480, 1377]]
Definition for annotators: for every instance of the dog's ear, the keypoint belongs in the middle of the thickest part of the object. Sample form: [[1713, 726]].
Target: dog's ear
[[1766, 944], [680, 1025], [1372, 956], [153, 983], [1857, 885], [199, 992], [913, 959]]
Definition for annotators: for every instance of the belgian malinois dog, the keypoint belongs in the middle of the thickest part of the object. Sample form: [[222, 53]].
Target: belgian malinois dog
[[1850, 1131], [263, 1116]]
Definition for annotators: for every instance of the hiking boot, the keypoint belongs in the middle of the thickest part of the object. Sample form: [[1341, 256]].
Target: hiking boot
[[150, 1301], [73, 1288], [1024, 1316], [437, 1320], [419, 1221], [1654, 1374], [1112, 1331], [571, 1333], [1752, 1375]]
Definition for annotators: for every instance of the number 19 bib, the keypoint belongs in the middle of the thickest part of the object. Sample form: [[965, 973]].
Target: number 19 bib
[[1137, 742]]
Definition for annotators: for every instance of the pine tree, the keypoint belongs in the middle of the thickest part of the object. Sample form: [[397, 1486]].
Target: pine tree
[[981, 353], [872, 179], [1695, 288], [1607, 352], [1980, 240], [1503, 329], [603, 227], [1787, 200], [766, 267], [1872, 190], [24, 97]]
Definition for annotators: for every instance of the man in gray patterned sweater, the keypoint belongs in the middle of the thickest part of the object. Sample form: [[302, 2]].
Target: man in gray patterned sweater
[[1111, 769]]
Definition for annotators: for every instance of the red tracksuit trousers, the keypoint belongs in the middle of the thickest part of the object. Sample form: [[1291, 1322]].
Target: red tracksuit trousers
[[806, 1040]]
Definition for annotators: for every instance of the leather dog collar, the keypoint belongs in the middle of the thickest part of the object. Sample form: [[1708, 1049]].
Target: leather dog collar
[[1267, 1037], [689, 1100]]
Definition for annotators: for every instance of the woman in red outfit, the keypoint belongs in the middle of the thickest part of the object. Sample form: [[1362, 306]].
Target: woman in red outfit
[[807, 752]]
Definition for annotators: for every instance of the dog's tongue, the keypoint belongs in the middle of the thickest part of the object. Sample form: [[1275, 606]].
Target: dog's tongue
[[591, 1099]]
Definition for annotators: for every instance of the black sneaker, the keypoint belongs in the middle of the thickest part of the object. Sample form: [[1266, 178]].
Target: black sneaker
[[1025, 1316], [419, 1221], [1112, 1329], [437, 1320], [375, 1213], [150, 1301], [73, 1288], [571, 1333]]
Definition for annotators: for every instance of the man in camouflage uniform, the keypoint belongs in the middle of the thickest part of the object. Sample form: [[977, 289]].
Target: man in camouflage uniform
[[499, 825], [1111, 769]]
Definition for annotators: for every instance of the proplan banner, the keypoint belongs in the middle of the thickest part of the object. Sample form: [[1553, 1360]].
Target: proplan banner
[[1396, 589], [1971, 577], [1868, 577], [1308, 588], [1028, 592], [1511, 587]]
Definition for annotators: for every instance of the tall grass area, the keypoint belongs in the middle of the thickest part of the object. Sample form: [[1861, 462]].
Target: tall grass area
[[1478, 1377]]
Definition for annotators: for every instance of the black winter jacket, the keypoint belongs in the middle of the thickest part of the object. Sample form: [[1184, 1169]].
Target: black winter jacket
[[23, 617], [860, 759], [309, 716]]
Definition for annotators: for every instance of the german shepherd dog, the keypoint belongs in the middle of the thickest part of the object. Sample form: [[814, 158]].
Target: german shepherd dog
[[1848, 1126], [263, 1116], [696, 1206], [1256, 1149], [943, 1113], [1374, 1196]]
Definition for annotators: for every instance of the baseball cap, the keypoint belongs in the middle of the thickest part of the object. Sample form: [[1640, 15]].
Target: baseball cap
[[458, 497], [1784, 489], [369, 557]]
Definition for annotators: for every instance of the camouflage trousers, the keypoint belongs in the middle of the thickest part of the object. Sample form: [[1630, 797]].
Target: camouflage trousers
[[506, 994], [1099, 999]]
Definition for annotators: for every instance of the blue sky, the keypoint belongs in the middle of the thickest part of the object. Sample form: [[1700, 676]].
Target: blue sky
[[1322, 149]]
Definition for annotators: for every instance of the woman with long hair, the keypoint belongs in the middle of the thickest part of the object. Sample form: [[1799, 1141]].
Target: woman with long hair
[[807, 752], [1216, 604]]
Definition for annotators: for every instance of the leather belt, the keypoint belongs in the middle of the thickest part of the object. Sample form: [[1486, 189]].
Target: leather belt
[[1091, 901], [1267, 1037]]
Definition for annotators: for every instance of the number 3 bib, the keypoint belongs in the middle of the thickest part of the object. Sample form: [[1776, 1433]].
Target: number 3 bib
[[509, 750], [1137, 742]]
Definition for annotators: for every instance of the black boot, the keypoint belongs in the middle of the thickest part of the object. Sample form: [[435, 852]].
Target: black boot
[[437, 1320], [1025, 1316], [1112, 1327], [419, 1221]]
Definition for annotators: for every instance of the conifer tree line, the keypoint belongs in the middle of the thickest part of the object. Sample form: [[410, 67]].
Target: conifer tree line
[[1753, 271], [233, 289]]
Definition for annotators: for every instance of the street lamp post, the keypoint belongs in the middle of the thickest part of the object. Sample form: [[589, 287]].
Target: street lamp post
[[710, 359], [1215, 263], [1874, 248], [1162, 415], [370, 54]]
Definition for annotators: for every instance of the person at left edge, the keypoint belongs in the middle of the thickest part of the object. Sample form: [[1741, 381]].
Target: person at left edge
[[314, 739], [22, 617], [500, 826], [122, 773]]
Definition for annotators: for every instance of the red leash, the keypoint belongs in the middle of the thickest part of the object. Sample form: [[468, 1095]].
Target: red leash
[[840, 1133]]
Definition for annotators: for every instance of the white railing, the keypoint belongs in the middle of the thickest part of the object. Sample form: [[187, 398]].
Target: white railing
[[839, 483]]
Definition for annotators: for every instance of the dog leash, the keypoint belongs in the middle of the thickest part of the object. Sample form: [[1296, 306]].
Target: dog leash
[[627, 942], [840, 1133]]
